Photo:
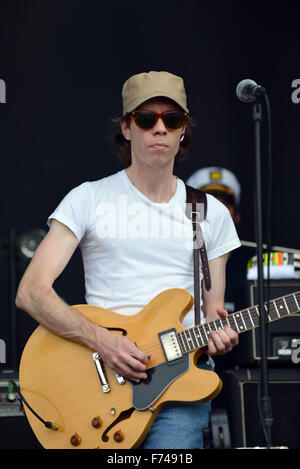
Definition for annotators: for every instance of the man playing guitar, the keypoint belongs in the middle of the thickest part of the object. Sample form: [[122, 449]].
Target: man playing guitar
[[135, 243]]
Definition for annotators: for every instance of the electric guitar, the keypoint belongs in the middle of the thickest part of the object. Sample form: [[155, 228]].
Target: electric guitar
[[74, 401]]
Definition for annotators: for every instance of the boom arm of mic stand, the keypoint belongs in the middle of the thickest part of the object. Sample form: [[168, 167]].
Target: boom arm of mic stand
[[265, 399], [251, 244]]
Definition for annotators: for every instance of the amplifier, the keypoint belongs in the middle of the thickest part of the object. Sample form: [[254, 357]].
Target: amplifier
[[241, 395], [15, 430], [10, 405], [281, 335]]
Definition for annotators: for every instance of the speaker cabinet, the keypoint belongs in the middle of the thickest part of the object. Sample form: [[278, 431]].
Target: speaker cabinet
[[16, 434], [242, 395], [279, 333]]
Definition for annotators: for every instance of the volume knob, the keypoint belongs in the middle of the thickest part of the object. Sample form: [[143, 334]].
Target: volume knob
[[97, 422], [119, 436], [75, 439]]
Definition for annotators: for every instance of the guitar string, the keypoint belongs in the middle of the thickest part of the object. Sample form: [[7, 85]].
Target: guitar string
[[289, 299], [153, 346]]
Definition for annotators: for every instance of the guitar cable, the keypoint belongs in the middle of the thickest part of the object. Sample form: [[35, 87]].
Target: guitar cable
[[51, 425]]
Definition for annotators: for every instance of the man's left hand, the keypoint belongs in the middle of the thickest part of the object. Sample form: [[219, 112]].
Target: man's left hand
[[223, 340]]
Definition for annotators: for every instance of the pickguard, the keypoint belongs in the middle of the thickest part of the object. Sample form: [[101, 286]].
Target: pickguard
[[148, 390]]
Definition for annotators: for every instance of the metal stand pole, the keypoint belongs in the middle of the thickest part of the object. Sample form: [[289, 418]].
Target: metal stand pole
[[266, 406]]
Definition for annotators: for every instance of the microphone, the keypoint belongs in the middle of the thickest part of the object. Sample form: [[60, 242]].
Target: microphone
[[247, 90]]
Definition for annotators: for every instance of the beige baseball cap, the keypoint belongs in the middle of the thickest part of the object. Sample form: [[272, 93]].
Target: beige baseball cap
[[143, 86]]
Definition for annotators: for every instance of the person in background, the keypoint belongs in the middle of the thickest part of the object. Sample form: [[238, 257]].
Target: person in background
[[224, 185]]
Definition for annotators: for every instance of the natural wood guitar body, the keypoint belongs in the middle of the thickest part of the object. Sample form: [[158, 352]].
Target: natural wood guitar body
[[58, 378]]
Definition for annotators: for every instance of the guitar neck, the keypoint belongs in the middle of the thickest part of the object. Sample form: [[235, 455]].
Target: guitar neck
[[197, 337]]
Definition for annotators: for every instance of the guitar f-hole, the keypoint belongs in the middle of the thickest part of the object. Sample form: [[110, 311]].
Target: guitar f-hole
[[126, 414], [117, 329]]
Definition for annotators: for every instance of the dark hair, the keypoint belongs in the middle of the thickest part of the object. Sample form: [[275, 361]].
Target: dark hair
[[227, 199], [123, 146]]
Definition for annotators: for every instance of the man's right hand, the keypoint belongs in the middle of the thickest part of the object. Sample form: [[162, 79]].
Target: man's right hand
[[121, 355]]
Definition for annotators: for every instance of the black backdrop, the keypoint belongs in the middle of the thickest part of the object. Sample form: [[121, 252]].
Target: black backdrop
[[64, 63]]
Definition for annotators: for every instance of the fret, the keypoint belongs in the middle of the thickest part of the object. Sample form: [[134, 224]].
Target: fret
[[291, 304], [250, 316], [192, 341], [181, 342], [281, 307], [181, 345], [232, 322], [203, 335], [242, 316], [199, 336], [236, 328], [188, 338], [297, 295], [207, 330], [275, 306], [194, 338], [222, 322], [184, 341], [218, 324], [255, 315], [247, 319], [212, 326], [203, 329], [295, 298], [225, 321], [267, 311], [274, 314], [286, 306], [239, 321]]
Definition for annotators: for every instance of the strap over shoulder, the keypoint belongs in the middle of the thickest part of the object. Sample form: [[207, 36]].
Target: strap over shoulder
[[197, 197], [196, 210]]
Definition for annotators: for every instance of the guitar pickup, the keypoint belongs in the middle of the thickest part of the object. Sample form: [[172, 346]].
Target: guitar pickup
[[170, 345], [98, 362]]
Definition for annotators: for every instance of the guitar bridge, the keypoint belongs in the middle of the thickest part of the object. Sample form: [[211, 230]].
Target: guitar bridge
[[104, 384], [170, 345]]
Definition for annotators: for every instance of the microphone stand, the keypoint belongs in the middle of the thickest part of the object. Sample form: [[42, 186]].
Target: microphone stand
[[265, 400]]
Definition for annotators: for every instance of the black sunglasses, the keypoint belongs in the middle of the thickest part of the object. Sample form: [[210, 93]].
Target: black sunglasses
[[146, 120]]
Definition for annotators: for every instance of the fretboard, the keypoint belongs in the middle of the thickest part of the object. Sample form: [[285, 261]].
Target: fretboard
[[196, 337]]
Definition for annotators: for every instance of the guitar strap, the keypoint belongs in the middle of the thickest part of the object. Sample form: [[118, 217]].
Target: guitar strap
[[196, 208]]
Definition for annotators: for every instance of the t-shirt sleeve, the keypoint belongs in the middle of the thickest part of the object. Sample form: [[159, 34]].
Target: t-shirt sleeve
[[74, 210], [222, 235]]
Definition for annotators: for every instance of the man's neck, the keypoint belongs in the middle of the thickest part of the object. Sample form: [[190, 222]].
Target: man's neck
[[157, 185]]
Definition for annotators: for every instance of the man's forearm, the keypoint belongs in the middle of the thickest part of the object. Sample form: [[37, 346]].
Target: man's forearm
[[49, 310], [45, 306]]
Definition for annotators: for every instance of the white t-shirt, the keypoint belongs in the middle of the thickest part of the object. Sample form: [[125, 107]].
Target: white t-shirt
[[133, 248]]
